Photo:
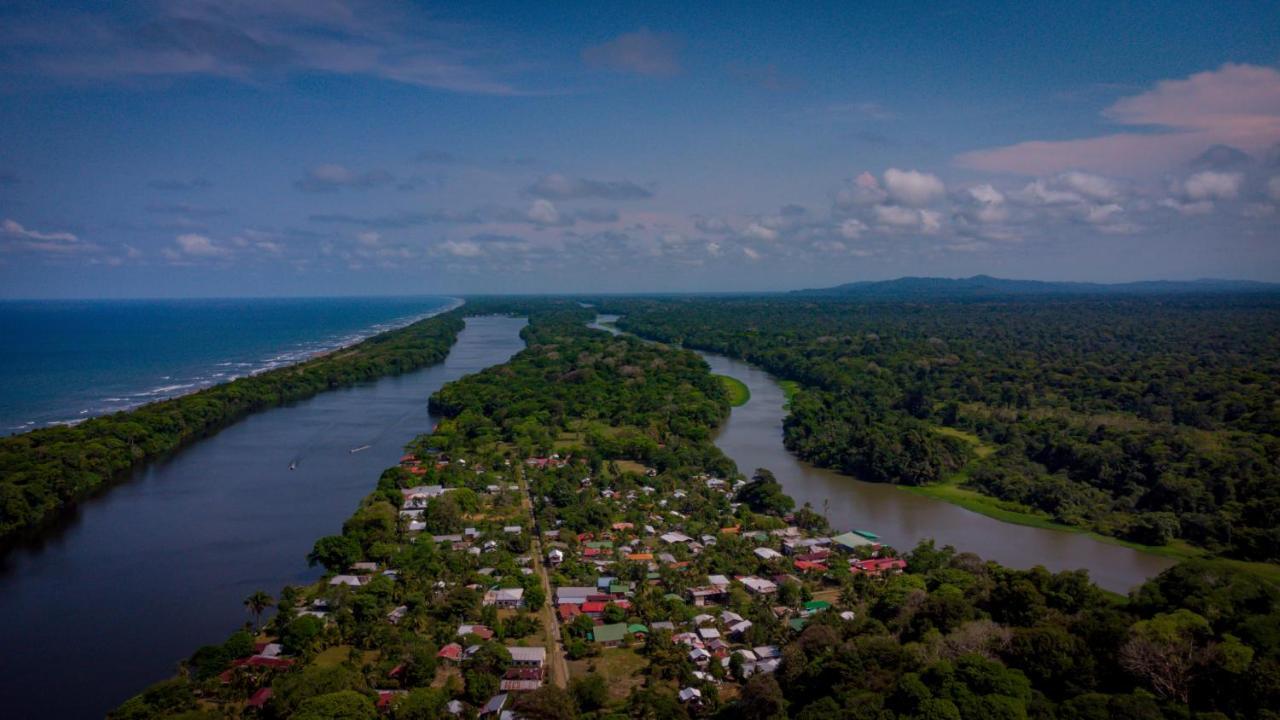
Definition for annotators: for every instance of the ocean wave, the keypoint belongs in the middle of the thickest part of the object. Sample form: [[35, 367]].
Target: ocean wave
[[285, 357]]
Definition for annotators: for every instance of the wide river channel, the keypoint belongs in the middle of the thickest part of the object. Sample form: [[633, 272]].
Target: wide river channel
[[160, 565], [752, 437]]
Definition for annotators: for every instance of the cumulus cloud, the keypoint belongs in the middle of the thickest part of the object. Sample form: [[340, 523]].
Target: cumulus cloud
[[559, 187], [543, 212], [757, 231], [642, 52], [852, 228], [1235, 105], [332, 177], [1209, 185], [865, 190], [910, 187], [712, 225], [751, 253]]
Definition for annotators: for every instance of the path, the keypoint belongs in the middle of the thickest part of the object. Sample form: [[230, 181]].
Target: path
[[551, 623]]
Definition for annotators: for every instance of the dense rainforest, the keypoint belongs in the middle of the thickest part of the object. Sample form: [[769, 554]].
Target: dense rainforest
[[951, 637], [44, 472], [1150, 418]]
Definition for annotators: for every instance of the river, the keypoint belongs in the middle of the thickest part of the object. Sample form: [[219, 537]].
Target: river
[[752, 437], [143, 575]]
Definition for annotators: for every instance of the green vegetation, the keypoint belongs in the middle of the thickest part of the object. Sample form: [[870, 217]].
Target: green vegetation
[[950, 637], [1154, 420], [44, 472], [738, 391]]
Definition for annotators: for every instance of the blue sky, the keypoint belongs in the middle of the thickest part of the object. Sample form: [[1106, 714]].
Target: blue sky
[[315, 147]]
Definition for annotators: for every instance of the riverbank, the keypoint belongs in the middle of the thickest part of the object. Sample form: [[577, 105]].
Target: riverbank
[[170, 554], [45, 472]]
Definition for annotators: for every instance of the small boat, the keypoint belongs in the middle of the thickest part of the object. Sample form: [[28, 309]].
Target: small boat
[[358, 449], [293, 465]]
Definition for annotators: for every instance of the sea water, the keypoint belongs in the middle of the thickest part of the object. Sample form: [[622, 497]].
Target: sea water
[[67, 361]]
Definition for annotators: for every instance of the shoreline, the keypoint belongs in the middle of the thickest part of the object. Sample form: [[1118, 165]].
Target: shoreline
[[283, 358]]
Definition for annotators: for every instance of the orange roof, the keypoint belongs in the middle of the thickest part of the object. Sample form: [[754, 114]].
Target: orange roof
[[731, 530], [640, 556]]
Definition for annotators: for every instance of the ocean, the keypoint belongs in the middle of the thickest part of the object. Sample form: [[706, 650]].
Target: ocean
[[67, 361]]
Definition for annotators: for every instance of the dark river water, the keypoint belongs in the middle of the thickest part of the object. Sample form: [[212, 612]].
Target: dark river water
[[160, 565], [752, 437]]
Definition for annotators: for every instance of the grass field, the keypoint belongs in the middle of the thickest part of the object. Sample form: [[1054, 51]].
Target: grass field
[[620, 667], [738, 391]]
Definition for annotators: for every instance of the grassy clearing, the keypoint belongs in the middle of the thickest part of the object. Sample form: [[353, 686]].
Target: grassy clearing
[[630, 466], [621, 668], [738, 391], [980, 448]]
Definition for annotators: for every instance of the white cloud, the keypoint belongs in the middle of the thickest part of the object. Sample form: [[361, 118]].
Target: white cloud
[[1210, 185], [12, 228], [462, 248], [196, 245], [757, 231], [750, 253], [1094, 187], [864, 191], [910, 187], [369, 238], [1235, 105], [896, 217], [543, 212], [852, 229]]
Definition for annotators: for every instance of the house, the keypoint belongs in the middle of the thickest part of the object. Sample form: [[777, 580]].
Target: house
[[758, 586], [494, 705], [351, 580], [568, 612], [878, 566], [674, 537], [611, 635], [740, 627], [555, 556], [851, 541], [395, 616], [768, 652], [512, 529], [505, 598], [690, 695], [571, 595], [528, 657], [810, 566], [417, 497], [662, 625], [765, 553], [637, 629], [699, 656], [719, 581], [450, 654], [708, 634], [518, 679], [259, 699], [701, 596], [479, 631]]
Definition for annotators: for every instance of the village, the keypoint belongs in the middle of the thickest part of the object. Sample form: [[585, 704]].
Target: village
[[488, 580]]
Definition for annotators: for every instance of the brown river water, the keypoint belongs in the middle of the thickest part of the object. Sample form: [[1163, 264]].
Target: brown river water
[[752, 437]]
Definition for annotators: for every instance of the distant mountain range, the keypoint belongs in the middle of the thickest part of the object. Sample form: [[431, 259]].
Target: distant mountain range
[[987, 286]]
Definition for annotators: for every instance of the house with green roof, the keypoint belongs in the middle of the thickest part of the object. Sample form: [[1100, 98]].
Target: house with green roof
[[611, 635], [850, 541]]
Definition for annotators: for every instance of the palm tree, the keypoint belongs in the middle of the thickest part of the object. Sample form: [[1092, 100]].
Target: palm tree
[[257, 603]]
